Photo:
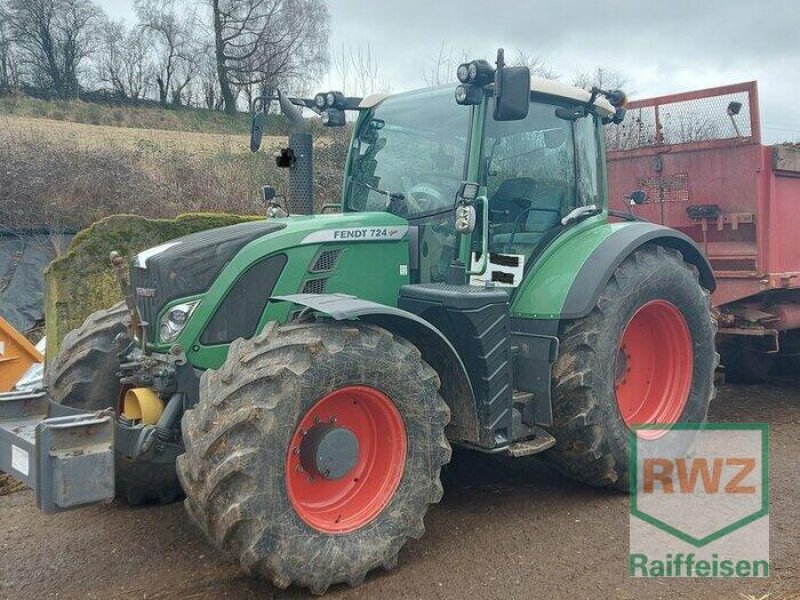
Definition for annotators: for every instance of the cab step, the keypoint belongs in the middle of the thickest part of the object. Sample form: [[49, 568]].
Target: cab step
[[540, 442]]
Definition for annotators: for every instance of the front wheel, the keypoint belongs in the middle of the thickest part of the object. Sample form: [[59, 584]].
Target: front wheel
[[315, 451], [644, 355]]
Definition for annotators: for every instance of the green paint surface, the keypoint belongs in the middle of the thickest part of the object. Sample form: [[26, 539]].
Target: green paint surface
[[373, 270], [542, 294]]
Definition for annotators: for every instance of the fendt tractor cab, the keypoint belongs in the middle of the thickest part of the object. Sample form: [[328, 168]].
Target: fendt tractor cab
[[301, 379]]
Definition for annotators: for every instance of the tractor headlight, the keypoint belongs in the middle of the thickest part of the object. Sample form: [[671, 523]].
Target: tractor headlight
[[175, 319], [463, 72], [320, 100]]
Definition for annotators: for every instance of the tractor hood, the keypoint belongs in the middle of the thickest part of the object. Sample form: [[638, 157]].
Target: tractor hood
[[190, 265]]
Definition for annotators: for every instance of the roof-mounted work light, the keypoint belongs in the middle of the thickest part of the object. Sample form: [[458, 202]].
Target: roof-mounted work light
[[469, 94], [478, 72]]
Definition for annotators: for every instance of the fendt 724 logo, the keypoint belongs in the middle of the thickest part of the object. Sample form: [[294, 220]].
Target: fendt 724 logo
[[360, 234], [700, 501]]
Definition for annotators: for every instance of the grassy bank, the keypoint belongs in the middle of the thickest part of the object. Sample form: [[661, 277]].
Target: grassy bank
[[141, 117], [62, 174]]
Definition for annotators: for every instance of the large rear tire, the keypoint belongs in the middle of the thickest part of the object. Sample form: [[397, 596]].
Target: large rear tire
[[84, 376], [249, 471], [645, 354]]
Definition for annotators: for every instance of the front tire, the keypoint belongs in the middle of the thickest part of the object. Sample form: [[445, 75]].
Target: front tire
[[250, 484], [645, 354]]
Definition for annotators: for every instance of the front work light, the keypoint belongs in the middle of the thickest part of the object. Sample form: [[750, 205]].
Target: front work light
[[333, 117], [320, 100], [469, 94], [335, 100]]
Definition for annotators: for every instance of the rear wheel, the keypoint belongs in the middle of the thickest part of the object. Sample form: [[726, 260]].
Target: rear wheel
[[645, 354], [315, 452], [84, 376]]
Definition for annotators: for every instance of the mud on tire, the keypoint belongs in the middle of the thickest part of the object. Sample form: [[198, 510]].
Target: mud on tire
[[238, 437], [592, 437], [84, 374]]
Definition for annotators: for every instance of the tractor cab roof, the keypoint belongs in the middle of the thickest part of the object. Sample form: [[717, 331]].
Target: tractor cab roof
[[549, 87]]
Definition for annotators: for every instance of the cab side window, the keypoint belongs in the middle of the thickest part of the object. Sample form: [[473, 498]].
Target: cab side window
[[530, 173]]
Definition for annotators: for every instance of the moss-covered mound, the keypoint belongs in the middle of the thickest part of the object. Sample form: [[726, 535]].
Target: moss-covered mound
[[83, 281]]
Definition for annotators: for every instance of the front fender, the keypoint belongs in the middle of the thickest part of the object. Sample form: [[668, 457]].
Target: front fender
[[436, 350], [567, 282]]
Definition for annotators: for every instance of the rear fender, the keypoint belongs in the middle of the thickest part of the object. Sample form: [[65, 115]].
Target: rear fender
[[436, 350], [568, 280]]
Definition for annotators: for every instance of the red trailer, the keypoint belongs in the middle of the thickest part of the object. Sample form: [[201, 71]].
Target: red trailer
[[698, 157]]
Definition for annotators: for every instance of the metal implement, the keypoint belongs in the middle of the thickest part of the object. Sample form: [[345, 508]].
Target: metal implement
[[68, 460]]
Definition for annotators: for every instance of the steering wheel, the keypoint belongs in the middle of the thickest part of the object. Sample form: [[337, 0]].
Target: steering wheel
[[428, 192]]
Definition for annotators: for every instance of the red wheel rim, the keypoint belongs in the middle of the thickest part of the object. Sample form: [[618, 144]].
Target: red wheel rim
[[653, 367], [346, 503]]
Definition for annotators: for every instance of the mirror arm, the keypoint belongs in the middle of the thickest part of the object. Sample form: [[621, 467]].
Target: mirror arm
[[482, 266]]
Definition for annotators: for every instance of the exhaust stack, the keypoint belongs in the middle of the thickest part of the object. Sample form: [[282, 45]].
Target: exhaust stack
[[299, 159]]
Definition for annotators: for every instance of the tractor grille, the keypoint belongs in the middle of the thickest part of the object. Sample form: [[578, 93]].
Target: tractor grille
[[315, 286], [326, 261]]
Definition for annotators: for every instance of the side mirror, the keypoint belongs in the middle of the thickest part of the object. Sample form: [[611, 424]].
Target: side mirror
[[257, 130], [638, 197], [514, 94]]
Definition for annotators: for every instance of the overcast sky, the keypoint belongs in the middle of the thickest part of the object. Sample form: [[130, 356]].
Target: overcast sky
[[661, 46]]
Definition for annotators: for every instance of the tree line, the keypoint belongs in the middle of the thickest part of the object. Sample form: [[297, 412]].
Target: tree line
[[218, 54]]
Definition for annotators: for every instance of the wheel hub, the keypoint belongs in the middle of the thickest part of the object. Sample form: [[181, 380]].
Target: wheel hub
[[345, 459], [653, 367], [329, 452]]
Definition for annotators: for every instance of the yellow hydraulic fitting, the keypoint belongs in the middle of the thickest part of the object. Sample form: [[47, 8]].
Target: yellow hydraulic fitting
[[142, 404]]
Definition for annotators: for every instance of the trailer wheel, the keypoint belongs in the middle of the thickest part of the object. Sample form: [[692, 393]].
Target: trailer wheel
[[645, 354], [84, 376], [315, 452]]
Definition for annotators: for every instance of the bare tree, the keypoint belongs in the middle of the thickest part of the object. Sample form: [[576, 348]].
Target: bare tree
[[124, 63], [355, 71], [54, 38], [440, 69], [171, 26], [8, 65], [267, 43], [537, 65], [607, 79]]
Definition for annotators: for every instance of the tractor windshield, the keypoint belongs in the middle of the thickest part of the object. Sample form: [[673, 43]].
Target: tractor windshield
[[408, 155]]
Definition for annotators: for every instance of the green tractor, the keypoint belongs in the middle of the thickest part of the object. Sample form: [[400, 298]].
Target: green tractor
[[301, 379]]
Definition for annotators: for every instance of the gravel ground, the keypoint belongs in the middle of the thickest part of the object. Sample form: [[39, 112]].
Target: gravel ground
[[505, 529]]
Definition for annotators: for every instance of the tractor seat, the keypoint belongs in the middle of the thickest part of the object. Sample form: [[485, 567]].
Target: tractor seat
[[535, 207]]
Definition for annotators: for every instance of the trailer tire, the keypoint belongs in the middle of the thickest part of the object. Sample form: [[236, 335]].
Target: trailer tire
[[608, 365], [84, 376], [243, 470]]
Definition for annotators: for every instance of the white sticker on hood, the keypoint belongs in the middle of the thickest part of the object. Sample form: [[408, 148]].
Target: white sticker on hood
[[140, 260]]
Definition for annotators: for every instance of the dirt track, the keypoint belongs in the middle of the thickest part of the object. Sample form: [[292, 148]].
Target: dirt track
[[504, 529]]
